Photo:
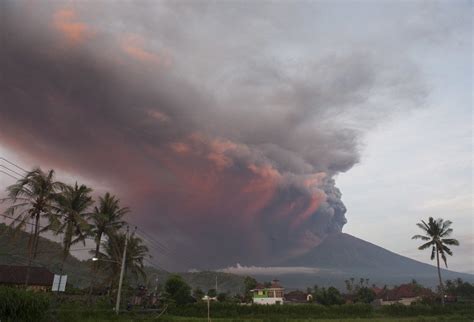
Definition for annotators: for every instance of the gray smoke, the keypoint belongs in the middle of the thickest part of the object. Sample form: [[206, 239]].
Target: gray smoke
[[223, 122]]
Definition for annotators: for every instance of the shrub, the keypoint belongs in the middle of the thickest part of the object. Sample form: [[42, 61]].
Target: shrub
[[22, 305]]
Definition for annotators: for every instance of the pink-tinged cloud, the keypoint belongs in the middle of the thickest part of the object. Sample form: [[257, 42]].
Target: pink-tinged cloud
[[134, 46], [67, 23]]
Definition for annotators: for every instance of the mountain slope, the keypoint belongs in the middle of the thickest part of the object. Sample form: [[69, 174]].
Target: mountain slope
[[342, 255], [343, 251]]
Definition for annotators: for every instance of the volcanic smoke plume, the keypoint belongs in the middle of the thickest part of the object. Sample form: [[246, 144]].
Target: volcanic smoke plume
[[222, 127]]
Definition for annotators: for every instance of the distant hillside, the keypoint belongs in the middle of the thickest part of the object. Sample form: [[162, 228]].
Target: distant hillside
[[13, 250]]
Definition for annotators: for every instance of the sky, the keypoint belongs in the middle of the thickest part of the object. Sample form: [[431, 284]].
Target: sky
[[243, 132]]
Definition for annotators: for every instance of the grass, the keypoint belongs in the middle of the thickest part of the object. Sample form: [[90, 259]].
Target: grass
[[381, 319], [126, 317]]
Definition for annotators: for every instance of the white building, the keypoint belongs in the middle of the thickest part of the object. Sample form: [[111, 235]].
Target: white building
[[268, 295]]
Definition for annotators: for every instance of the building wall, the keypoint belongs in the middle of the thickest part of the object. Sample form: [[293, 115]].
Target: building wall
[[268, 300], [404, 301]]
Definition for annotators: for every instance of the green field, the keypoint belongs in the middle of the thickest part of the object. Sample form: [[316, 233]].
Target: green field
[[126, 318]]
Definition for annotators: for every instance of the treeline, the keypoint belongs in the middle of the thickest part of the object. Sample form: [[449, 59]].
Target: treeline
[[38, 203], [459, 288]]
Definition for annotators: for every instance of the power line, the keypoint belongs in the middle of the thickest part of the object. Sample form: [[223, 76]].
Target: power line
[[166, 251], [146, 236], [156, 266], [17, 173], [9, 175], [12, 163]]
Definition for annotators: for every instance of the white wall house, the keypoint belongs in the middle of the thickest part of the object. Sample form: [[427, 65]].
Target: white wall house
[[268, 295]]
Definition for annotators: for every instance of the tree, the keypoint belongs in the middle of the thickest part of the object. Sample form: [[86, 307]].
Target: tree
[[364, 295], [330, 296], [106, 220], [198, 294], [178, 290], [222, 297], [250, 283], [212, 292], [33, 197], [113, 252], [435, 235], [72, 206]]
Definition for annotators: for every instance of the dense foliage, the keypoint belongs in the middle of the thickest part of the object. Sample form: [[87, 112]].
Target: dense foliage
[[463, 290], [21, 305], [178, 290], [330, 296]]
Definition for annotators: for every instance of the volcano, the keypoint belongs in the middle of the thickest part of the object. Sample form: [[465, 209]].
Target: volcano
[[341, 256]]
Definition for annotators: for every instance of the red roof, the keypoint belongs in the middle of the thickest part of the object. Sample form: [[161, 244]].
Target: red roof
[[404, 291], [276, 284], [377, 290], [259, 286], [16, 275]]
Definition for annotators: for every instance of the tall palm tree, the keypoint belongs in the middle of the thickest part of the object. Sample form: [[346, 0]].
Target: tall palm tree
[[113, 252], [106, 219], [33, 197], [436, 233], [72, 207]]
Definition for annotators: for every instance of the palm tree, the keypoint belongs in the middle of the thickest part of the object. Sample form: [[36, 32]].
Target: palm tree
[[436, 233], [72, 206], [113, 252], [33, 197], [106, 220]]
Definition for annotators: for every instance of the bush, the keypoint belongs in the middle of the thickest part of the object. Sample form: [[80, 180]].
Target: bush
[[22, 305]]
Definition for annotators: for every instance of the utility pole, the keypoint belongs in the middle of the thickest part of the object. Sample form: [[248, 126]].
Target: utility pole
[[208, 310], [122, 270]]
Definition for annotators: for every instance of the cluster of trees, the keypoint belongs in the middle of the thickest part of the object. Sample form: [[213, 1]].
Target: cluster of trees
[[48, 205], [177, 291], [460, 288], [360, 292]]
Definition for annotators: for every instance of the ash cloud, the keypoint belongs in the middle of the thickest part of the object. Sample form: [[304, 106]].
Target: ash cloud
[[223, 126]]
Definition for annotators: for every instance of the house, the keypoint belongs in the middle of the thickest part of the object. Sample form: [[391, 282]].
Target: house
[[404, 294], [271, 294], [41, 279], [298, 297]]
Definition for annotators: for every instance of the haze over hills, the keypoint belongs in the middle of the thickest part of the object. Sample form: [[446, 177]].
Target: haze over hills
[[341, 256]]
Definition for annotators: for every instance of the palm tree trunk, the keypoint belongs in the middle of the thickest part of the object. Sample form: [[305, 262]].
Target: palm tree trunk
[[94, 267], [32, 249], [36, 236], [439, 276]]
